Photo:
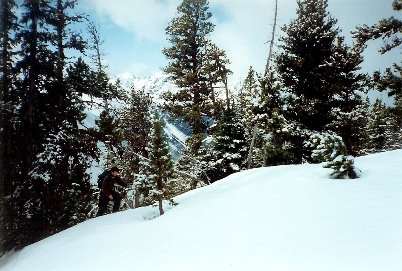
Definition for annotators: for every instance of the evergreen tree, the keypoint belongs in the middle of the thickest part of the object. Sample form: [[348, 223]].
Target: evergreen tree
[[110, 133], [269, 115], [248, 97], [103, 87], [188, 67], [263, 113], [8, 101], [136, 125], [389, 30], [346, 108], [37, 76], [215, 67], [329, 148], [158, 169], [228, 150], [50, 189], [379, 128], [316, 68]]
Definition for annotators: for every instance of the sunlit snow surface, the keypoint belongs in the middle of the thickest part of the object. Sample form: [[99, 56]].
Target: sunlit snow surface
[[278, 218]]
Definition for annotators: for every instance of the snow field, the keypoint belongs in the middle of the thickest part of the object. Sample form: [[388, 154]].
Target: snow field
[[278, 218]]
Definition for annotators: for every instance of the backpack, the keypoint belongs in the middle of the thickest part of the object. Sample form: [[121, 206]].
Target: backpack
[[102, 177]]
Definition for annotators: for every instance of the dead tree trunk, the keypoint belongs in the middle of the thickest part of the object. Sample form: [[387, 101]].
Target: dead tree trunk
[[250, 153]]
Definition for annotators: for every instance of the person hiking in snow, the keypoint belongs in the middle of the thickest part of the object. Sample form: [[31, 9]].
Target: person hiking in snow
[[108, 193]]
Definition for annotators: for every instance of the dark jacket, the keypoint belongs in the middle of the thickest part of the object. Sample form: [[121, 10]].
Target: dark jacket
[[108, 184]]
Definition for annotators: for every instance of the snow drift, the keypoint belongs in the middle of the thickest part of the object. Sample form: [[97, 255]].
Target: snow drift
[[278, 218]]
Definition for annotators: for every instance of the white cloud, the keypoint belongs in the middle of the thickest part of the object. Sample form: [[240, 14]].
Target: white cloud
[[245, 31], [243, 28], [147, 19]]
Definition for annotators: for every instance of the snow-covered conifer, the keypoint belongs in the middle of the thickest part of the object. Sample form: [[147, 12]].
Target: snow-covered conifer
[[227, 152], [329, 148], [155, 179], [316, 69], [379, 127]]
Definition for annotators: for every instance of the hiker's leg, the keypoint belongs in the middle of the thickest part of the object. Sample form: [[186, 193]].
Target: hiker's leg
[[117, 199], [103, 201]]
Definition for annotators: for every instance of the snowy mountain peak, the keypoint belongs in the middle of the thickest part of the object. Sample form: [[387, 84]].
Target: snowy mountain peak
[[155, 84]]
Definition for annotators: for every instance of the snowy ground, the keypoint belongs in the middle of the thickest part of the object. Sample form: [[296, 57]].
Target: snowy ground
[[278, 218]]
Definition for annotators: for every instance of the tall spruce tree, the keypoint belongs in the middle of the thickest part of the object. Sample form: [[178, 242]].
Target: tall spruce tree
[[37, 76], [228, 150], [264, 118], [216, 68], [8, 101], [379, 128], [50, 188], [347, 111], [157, 170], [315, 68], [103, 87], [188, 34], [136, 123], [67, 152]]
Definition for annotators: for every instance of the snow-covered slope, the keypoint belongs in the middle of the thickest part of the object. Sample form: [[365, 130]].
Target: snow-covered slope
[[278, 218]]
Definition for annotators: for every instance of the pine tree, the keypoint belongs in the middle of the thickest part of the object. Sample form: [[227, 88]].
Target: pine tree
[[36, 78], [158, 169], [379, 127], [188, 67], [53, 148], [329, 148], [316, 68], [136, 124], [215, 67], [8, 152], [389, 30], [262, 105], [248, 96], [110, 133], [228, 150]]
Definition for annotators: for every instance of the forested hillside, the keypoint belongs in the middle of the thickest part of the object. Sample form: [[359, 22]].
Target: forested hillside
[[64, 118]]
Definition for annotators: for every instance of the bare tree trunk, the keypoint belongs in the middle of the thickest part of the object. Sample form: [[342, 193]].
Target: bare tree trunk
[[250, 153], [97, 58], [32, 74], [160, 188], [265, 75], [272, 39], [227, 93], [136, 199]]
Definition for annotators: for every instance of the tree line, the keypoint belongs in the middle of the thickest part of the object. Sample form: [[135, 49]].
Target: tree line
[[307, 106]]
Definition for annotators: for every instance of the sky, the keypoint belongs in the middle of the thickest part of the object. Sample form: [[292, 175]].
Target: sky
[[134, 31]]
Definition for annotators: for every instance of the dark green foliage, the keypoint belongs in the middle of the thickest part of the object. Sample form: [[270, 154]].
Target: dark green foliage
[[228, 150], [389, 30], [306, 59], [48, 188], [8, 25], [329, 148], [319, 73], [109, 130], [154, 180], [391, 81], [195, 65], [379, 128], [136, 126]]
